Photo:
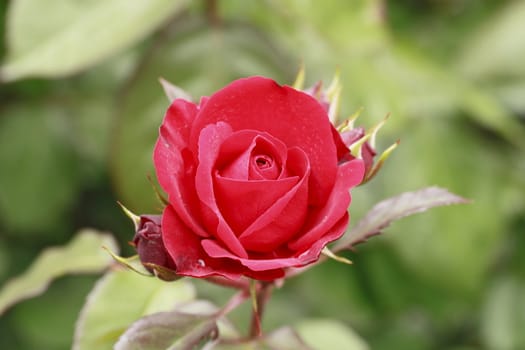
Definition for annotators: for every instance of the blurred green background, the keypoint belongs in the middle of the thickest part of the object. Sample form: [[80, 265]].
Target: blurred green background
[[80, 105]]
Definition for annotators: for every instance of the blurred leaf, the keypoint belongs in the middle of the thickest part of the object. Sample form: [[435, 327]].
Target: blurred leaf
[[168, 330], [496, 49], [197, 58], [379, 71], [511, 94], [328, 335], [453, 249], [47, 322], [83, 254], [503, 315], [34, 140], [389, 210], [4, 258], [120, 298], [486, 110], [284, 338], [60, 37]]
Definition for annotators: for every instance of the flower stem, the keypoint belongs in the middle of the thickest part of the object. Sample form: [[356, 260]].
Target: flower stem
[[260, 295]]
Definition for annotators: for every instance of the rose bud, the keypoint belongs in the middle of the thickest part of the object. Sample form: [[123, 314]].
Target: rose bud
[[367, 152], [150, 247], [258, 181]]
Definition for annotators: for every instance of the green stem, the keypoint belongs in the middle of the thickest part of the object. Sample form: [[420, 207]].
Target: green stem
[[260, 292]]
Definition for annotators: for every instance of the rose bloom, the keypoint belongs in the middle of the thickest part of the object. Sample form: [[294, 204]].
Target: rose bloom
[[258, 180]]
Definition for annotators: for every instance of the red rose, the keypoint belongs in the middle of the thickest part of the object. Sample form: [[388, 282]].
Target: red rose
[[258, 180]]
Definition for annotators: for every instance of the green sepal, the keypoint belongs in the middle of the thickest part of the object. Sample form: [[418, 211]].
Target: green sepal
[[348, 124], [133, 262], [131, 215], [327, 252], [174, 92], [373, 132], [162, 272], [333, 94], [299, 79], [163, 200], [355, 148], [377, 166]]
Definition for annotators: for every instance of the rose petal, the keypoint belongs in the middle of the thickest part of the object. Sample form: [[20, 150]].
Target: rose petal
[[185, 249], [349, 175], [235, 157], [285, 217], [213, 249], [210, 139], [289, 115], [173, 162], [241, 202], [343, 153]]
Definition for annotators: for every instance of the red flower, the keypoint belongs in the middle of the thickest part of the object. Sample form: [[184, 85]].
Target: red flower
[[258, 180]]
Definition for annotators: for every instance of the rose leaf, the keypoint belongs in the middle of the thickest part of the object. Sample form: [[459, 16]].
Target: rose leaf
[[168, 330], [394, 208], [325, 334], [83, 254], [120, 298], [48, 38]]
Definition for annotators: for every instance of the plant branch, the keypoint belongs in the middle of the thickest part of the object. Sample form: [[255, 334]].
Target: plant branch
[[236, 300], [262, 292]]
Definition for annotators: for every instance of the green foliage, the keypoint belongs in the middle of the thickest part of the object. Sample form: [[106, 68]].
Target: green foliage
[[75, 35], [329, 334], [73, 142], [503, 313], [47, 155], [120, 298], [168, 330], [388, 210], [82, 255]]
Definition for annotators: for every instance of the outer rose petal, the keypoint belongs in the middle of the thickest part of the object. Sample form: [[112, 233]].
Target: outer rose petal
[[236, 198], [287, 114], [286, 216], [349, 175], [343, 153], [185, 249], [309, 256], [172, 167], [210, 140]]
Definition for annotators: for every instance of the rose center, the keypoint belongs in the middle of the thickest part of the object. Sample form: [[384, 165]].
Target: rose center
[[263, 162]]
